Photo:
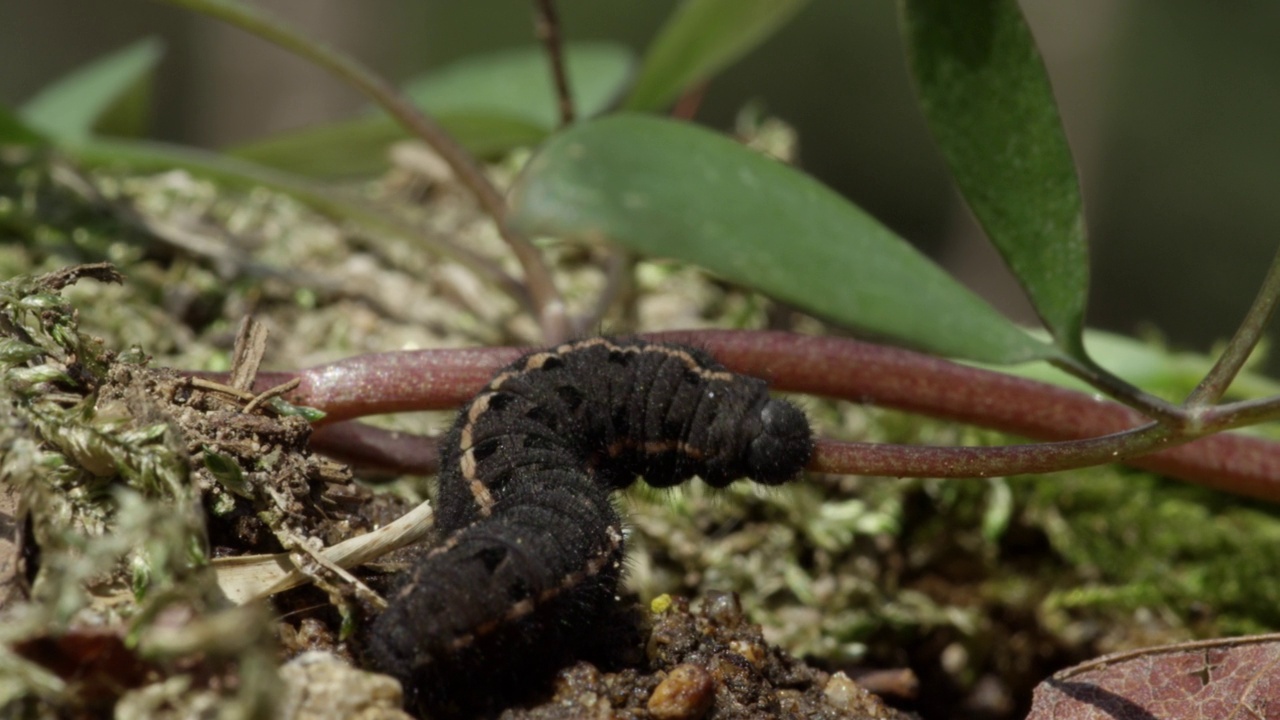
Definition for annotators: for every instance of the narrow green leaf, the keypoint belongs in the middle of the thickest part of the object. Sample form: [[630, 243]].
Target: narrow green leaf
[[227, 472], [25, 377], [701, 38], [236, 173], [669, 189], [71, 107], [284, 407], [986, 95], [359, 147], [150, 156], [1164, 372], [13, 352], [13, 131], [490, 104]]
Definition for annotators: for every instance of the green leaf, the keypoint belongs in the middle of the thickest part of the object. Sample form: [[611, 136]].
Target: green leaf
[[701, 38], [360, 147], [236, 173], [986, 95], [517, 83], [284, 407], [13, 131], [13, 352], [23, 378], [150, 156], [70, 108], [670, 189], [490, 104], [227, 472], [1166, 373]]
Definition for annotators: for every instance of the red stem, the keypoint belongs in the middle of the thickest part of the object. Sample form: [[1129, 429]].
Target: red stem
[[376, 450], [837, 368]]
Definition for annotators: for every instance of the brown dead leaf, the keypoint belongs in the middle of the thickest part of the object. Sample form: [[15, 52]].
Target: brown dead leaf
[[1205, 680]]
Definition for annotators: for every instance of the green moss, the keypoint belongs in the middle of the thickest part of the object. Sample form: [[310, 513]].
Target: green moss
[[117, 522], [1136, 541]]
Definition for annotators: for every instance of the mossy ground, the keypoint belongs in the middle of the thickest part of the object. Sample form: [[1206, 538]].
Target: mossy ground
[[982, 587]]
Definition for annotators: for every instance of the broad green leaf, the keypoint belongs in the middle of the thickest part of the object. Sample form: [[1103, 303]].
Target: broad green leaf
[[13, 131], [668, 189], [490, 104], [517, 83], [70, 108], [701, 38], [987, 98]]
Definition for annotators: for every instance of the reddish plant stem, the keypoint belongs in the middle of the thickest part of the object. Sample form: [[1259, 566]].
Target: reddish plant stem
[[391, 382], [909, 381], [931, 461], [546, 26], [850, 370], [687, 105], [377, 449]]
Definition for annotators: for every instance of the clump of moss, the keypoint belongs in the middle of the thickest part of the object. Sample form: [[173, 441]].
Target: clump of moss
[[120, 595], [1162, 552]]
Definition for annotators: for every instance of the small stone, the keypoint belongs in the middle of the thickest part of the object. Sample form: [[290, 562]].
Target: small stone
[[320, 686], [752, 652], [685, 694], [723, 608], [848, 696]]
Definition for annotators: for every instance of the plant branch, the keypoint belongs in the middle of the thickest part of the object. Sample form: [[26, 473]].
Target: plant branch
[[1239, 414], [546, 25], [958, 462], [551, 308], [858, 372], [377, 449], [619, 281], [687, 105], [1241, 345], [374, 448], [1122, 391]]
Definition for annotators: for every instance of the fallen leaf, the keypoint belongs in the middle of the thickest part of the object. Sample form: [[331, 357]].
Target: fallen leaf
[[1204, 680]]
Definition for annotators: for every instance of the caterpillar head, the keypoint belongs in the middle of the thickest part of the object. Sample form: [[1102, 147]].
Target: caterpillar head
[[783, 444]]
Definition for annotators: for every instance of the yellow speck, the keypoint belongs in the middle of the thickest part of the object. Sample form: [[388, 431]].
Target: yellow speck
[[660, 604]]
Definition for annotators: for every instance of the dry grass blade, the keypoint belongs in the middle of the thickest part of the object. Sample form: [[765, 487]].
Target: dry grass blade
[[249, 577]]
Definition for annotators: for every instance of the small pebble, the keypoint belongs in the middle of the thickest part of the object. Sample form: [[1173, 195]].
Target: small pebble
[[685, 694], [753, 653], [722, 608], [850, 697], [321, 686]]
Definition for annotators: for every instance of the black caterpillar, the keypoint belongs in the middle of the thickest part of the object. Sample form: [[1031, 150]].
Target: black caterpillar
[[533, 546]]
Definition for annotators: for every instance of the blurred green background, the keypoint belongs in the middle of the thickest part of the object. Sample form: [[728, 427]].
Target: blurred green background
[[1170, 106]]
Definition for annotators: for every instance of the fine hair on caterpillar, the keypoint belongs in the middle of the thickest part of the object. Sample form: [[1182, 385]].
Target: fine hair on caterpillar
[[531, 546]]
